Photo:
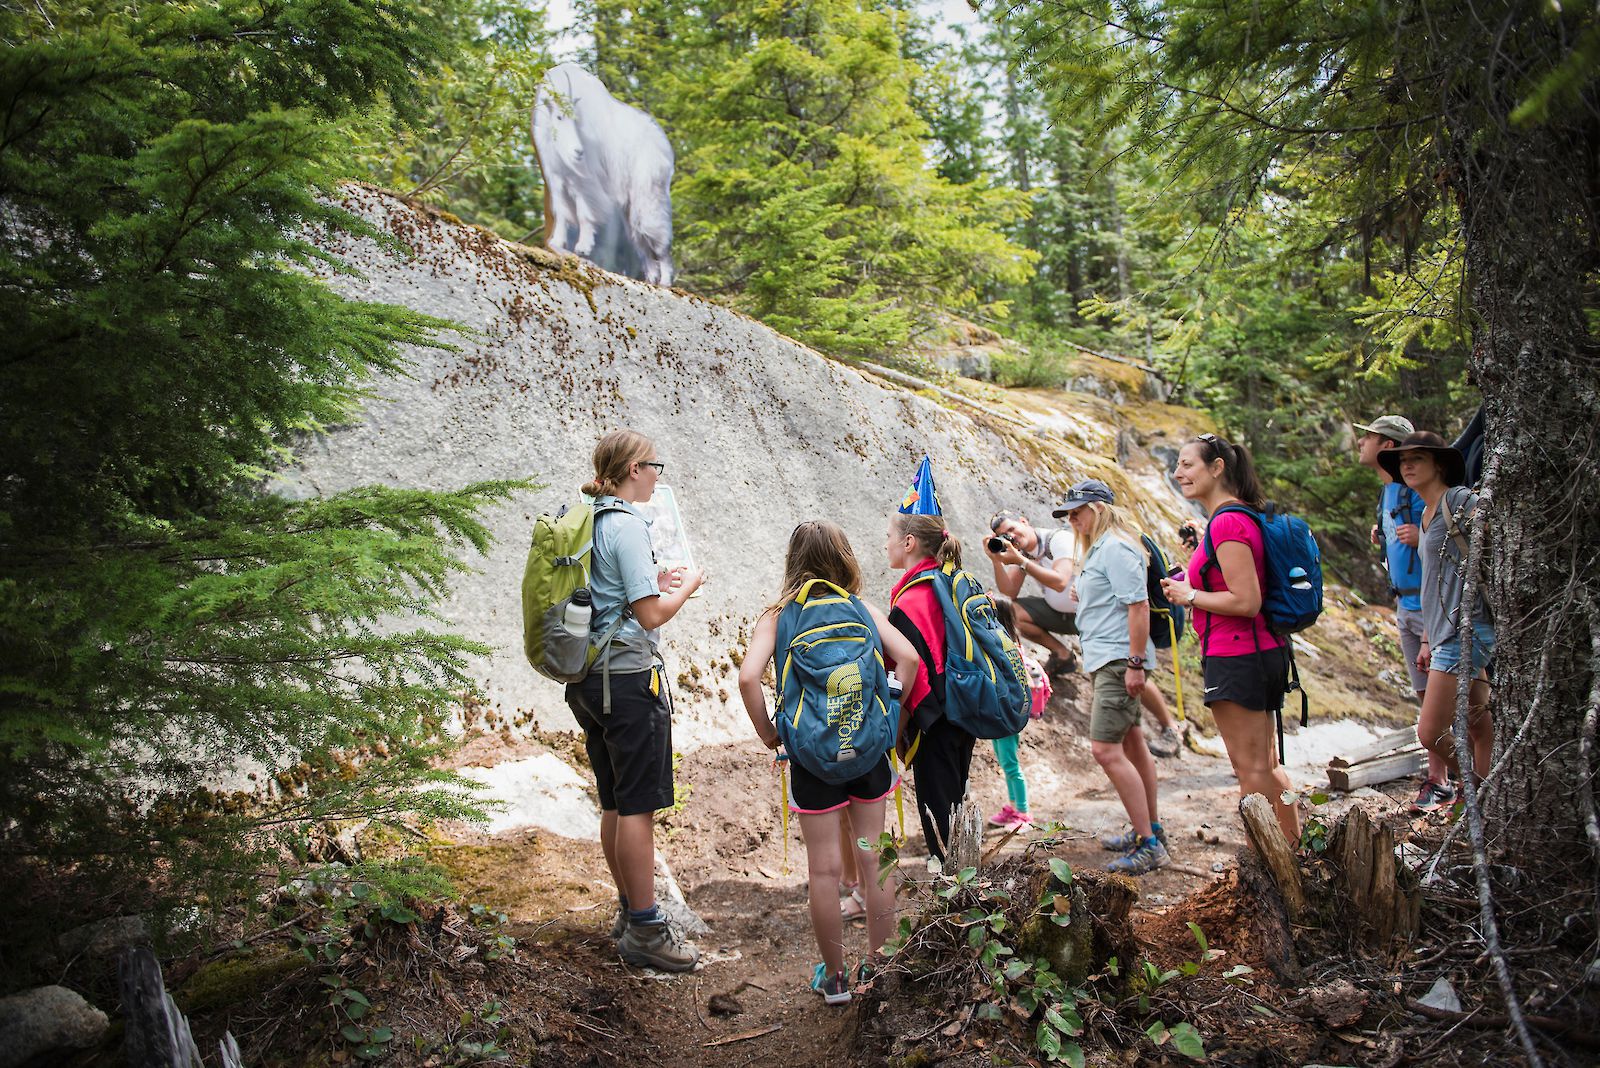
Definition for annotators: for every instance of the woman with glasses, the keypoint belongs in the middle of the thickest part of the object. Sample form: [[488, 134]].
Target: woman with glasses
[[1246, 666], [630, 743]]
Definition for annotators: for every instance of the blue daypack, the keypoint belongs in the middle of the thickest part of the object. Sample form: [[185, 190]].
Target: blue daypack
[[1291, 600], [985, 685], [835, 716], [1166, 618]]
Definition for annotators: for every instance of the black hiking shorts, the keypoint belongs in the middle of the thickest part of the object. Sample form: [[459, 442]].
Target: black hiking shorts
[[630, 750], [1257, 681]]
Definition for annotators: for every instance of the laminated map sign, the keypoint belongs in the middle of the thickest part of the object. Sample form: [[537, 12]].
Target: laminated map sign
[[668, 537]]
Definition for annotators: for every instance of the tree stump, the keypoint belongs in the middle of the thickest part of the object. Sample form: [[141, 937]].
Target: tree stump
[[1386, 900], [965, 849], [1261, 826]]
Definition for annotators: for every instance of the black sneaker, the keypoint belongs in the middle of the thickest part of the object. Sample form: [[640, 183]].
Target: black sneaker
[[835, 989], [1432, 796]]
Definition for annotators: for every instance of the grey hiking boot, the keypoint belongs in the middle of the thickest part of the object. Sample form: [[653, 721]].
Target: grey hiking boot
[[657, 945], [1121, 843], [1146, 857], [1165, 743], [619, 926]]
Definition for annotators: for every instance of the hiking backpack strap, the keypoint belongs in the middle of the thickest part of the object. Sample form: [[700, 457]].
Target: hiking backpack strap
[[603, 647], [1288, 643]]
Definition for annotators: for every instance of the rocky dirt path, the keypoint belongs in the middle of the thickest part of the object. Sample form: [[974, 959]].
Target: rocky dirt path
[[749, 1003]]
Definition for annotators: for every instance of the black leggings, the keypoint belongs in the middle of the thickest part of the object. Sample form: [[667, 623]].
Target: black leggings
[[940, 767]]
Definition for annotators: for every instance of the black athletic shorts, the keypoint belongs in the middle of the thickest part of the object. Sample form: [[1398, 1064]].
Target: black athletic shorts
[[1047, 618], [630, 749], [810, 795], [1255, 680]]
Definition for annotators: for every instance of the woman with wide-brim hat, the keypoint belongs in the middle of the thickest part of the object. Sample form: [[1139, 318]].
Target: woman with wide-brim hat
[[1437, 472]]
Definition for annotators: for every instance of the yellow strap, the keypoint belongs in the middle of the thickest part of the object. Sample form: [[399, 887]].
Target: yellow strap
[[899, 801], [1177, 668], [783, 807], [805, 591]]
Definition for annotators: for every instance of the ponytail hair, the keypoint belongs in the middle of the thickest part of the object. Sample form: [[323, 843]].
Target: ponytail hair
[[1238, 469], [933, 537], [613, 456]]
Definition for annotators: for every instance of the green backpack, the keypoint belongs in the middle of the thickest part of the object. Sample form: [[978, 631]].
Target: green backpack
[[557, 568]]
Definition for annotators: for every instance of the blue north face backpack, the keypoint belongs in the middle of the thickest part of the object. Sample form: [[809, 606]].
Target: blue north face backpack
[[835, 716], [1166, 618], [985, 685], [1292, 597]]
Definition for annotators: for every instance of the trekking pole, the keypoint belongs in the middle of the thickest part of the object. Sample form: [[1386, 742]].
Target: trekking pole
[[780, 758], [1177, 668]]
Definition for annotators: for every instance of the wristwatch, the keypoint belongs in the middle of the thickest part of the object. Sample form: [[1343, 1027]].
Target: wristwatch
[[1136, 662], [1190, 599]]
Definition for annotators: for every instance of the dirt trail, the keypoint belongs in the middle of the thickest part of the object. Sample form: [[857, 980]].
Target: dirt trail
[[725, 846]]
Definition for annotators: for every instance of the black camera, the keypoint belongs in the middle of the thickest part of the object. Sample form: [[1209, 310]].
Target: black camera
[[998, 543]]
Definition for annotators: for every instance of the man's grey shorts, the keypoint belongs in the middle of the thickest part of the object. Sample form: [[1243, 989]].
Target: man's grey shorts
[[1412, 635], [1046, 618]]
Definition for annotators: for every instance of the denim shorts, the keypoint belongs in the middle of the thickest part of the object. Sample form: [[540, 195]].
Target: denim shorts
[[1447, 656]]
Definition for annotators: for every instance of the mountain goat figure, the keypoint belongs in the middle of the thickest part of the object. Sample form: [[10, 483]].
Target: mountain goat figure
[[607, 176]]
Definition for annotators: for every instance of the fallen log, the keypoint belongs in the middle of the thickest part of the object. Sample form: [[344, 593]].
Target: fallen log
[[1386, 743], [1384, 769]]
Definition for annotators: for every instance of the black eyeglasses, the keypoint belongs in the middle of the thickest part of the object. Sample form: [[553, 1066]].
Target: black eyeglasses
[[660, 467]]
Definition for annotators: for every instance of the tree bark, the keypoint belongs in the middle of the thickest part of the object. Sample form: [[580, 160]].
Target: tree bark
[[1530, 204]]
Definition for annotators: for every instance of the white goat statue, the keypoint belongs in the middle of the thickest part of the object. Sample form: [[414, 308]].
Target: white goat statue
[[607, 170]]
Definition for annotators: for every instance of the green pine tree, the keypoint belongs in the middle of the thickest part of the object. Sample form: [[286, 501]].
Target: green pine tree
[[163, 171], [804, 193]]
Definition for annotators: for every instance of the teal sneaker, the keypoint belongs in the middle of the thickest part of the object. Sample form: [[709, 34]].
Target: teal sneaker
[[835, 989], [1146, 857], [1127, 840]]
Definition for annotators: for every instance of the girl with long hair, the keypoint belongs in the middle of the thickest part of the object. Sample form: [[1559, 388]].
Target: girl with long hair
[[1114, 627], [942, 757], [630, 746], [1246, 665], [1437, 472], [820, 550]]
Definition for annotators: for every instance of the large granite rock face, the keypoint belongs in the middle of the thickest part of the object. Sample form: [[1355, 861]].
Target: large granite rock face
[[757, 431]]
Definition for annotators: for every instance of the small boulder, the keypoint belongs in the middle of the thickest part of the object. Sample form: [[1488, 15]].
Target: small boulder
[[105, 938], [47, 1018]]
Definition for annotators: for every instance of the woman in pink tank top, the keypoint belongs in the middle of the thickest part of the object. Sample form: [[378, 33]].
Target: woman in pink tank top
[[1246, 665]]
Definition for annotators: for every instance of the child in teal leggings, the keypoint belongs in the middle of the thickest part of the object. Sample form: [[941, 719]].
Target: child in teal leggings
[[1014, 813]]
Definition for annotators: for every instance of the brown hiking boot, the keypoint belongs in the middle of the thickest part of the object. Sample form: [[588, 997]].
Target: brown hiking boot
[[658, 946]]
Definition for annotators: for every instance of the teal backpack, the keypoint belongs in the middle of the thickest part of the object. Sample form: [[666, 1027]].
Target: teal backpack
[[834, 713], [985, 685]]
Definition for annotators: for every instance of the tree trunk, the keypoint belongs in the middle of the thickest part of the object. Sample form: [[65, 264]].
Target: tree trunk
[[1530, 200]]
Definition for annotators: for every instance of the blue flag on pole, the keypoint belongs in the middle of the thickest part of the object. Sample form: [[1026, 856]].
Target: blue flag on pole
[[922, 498]]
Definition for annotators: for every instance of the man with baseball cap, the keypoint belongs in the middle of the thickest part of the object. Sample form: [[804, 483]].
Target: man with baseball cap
[[1397, 531]]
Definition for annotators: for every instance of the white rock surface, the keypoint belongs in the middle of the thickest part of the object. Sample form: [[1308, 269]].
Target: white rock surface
[[542, 791], [757, 432], [47, 1019]]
